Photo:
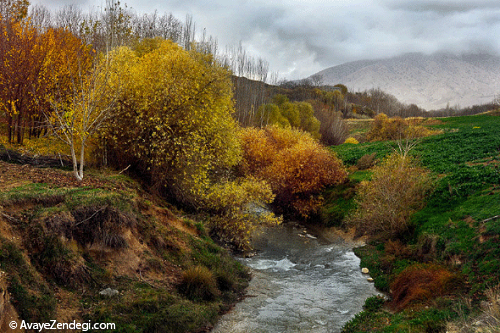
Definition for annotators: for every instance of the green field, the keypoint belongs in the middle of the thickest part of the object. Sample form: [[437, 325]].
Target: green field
[[458, 228]]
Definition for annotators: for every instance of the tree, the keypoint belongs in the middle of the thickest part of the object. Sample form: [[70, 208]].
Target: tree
[[22, 57], [173, 118], [282, 112], [296, 166], [14, 10], [79, 113]]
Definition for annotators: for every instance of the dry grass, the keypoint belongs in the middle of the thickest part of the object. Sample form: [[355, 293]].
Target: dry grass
[[488, 321], [418, 284], [199, 283], [93, 225]]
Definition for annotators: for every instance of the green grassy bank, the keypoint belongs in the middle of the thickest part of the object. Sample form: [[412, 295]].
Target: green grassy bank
[[457, 232]]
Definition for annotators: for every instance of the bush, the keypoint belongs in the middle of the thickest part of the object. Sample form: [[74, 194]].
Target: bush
[[366, 161], [385, 128], [333, 129], [238, 208], [199, 284], [294, 164], [351, 140], [177, 131], [374, 303], [397, 190], [421, 283]]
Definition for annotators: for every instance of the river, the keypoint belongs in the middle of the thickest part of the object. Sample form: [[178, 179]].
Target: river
[[302, 282]]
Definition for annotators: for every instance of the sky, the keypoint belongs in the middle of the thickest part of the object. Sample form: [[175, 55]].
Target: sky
[[301, 37]]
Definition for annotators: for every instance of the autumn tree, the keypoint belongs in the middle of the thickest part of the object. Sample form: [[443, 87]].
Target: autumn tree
[[22, 58], [397, 190], [296, 166], [282, 112], [81, 103], [14, 10], [173, 120]]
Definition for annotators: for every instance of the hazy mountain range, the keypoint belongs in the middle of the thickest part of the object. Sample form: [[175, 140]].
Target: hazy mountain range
[[429, 81]]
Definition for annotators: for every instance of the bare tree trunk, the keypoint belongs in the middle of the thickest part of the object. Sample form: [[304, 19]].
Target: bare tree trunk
[[82, 160], [75, 162]]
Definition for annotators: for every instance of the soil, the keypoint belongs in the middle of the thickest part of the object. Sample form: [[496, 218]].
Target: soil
[[13, 175]]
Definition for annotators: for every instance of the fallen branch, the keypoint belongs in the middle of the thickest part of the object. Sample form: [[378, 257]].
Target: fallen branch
[[125, 169], [9, 217], [91, 216], [491, 218]]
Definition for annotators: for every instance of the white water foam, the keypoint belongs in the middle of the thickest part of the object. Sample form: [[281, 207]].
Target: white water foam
[[263, 264]]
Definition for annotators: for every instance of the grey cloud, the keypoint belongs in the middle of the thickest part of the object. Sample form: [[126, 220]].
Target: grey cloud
[[443, 6], [299, 38]]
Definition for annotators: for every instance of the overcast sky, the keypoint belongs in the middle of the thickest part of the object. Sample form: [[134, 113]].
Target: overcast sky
[[301, 37]]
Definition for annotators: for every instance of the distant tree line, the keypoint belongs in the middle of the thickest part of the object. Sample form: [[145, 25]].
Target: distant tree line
[[373, 101]]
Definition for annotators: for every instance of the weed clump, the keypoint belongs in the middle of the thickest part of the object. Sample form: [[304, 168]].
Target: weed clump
[[199, 284], [366, 161], [421, 283]]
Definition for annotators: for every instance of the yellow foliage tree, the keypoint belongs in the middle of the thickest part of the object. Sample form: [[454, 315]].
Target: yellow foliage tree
[[282, 112], [173, 119], [296, 166], [239, 208], [81, 109]]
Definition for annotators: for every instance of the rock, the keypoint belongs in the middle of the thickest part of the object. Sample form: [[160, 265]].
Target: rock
[[109, 292], [365, 270], [370, 279]]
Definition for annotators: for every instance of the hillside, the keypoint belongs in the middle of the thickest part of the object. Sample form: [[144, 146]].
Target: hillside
[[105, 251], [429, 81], [448, 258]]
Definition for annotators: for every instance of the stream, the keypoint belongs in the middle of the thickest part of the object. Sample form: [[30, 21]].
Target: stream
[[301, 282]]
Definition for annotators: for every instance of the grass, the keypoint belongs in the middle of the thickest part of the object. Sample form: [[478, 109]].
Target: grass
[[454, 229]]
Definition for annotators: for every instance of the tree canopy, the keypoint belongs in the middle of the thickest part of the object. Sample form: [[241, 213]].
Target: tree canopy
[[173, 116]]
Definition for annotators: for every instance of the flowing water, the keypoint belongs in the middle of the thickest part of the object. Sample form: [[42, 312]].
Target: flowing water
[[300, 283]]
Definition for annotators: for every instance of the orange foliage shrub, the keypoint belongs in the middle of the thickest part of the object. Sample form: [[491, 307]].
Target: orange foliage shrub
[[296, 166], [421, 283]]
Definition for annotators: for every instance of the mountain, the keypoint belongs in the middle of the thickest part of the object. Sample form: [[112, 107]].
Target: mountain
[[429, 81]]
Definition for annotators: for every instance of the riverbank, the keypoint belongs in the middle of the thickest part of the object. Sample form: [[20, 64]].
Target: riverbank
[[106, 251], [441, 273]]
